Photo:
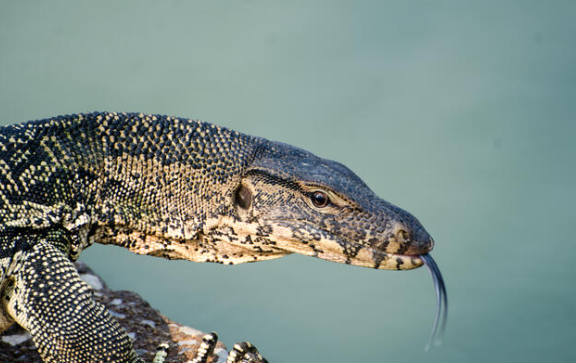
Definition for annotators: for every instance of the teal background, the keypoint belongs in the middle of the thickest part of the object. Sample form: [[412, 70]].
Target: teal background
[[462, 112]]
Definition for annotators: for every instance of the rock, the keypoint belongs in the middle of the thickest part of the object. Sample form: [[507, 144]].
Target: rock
[[145, 325]]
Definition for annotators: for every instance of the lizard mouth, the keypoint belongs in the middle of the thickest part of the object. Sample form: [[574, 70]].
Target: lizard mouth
[[317, 242]]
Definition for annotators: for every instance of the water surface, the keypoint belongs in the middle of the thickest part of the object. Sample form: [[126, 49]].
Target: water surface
[[461, 112]]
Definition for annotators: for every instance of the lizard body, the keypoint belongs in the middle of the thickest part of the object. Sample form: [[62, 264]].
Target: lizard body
[[173, 188]]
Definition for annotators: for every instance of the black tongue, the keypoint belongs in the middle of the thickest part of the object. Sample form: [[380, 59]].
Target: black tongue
[[441, 299]]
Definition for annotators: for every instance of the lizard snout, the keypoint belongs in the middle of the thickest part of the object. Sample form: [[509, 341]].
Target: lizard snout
[[420, 246], [411, 241]]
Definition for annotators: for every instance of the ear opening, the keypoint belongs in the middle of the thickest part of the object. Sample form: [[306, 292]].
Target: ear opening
[[243, 197]]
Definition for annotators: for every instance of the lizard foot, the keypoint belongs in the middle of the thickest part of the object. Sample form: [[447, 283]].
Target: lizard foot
[[161, 353], [241, 353], [206, 348], [245, 353]]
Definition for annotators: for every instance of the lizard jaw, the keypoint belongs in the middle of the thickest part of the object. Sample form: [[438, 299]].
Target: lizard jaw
[[277, 237], [335, 248]]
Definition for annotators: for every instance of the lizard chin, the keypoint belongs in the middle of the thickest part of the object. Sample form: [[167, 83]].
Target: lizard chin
[[365, 257], [276, 238], [307, 239]]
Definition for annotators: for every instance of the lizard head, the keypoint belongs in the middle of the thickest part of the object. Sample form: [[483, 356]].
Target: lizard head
[[291, 201]]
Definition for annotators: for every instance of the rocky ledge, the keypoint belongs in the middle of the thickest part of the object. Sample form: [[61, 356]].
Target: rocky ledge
[[145, 325]]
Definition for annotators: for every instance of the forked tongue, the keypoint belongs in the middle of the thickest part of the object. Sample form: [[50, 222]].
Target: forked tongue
[[441, 301]]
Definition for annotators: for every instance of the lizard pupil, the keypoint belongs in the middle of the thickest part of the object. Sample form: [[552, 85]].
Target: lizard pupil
[[320, 199]]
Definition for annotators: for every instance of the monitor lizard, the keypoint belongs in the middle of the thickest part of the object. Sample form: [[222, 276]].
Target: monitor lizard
[[173, 188]]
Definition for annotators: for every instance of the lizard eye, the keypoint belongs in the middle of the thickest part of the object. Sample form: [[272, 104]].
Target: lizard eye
[[320, 199]]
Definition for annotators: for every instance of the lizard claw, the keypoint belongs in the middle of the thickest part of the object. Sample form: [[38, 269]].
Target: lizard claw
[[241, 353], [245, 352], [161, 353], [206, 348]]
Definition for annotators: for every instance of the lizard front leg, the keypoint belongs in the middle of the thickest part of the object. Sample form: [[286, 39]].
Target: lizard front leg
[[46, 296]]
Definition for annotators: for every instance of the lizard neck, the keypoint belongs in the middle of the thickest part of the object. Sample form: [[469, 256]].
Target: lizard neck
[[163, 178]]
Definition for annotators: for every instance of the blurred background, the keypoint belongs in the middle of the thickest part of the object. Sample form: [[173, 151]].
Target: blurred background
[[462, 112]]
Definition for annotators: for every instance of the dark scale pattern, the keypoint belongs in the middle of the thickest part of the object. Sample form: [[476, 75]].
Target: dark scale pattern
[[173, 188], [51, 301]]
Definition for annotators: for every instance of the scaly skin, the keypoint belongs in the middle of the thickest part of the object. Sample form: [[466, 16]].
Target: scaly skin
[[172, 188]]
